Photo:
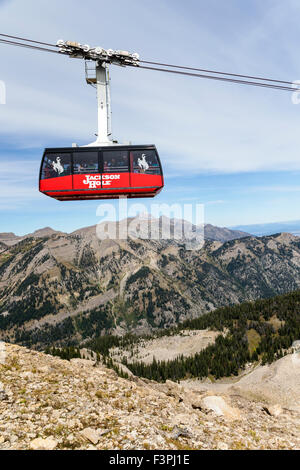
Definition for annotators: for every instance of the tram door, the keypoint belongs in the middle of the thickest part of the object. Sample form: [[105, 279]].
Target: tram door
[[115, 174], [86, 171]]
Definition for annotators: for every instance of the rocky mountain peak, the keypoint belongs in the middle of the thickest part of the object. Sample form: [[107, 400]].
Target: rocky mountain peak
[[44, 232]]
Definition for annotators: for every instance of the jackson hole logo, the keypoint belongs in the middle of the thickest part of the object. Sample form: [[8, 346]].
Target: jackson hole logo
[[95, 181], [57, 166]]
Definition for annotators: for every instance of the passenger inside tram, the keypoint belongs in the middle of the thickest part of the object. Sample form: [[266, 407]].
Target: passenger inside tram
[[118, 162]]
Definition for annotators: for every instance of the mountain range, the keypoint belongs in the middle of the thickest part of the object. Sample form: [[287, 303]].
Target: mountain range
[[210, 232], [63, 288]]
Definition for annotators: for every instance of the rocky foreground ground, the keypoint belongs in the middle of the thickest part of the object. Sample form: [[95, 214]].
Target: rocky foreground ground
[[48, 403]]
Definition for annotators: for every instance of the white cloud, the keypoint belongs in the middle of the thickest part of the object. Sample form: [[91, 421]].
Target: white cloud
[[197, 125]]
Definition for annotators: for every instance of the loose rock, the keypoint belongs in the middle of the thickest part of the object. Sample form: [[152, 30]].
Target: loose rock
[[91, 435], [43, 444], [273, 410], [220, 407]]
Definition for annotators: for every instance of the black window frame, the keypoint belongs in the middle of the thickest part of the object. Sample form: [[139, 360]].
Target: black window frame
[[56, 153], [99, 171], [115, 150], [143, 149]]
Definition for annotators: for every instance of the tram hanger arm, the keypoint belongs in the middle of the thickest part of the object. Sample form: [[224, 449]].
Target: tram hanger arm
[[84, 51]]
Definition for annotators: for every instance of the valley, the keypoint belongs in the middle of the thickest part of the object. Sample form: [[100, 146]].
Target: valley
[[70, 288]]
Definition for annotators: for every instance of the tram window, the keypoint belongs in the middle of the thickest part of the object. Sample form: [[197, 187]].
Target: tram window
[[145, 161], [115, 162], [56, 165], [85, 162]]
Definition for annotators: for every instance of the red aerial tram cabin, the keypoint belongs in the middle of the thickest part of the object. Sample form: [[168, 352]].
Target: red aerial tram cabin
[[108, 172]]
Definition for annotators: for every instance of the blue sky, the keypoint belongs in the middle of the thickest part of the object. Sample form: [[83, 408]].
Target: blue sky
[[235, 149]]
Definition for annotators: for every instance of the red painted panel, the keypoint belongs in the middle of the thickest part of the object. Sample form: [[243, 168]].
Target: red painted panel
[[55, 184], [115, 180], [97, 185], [140, 180]]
